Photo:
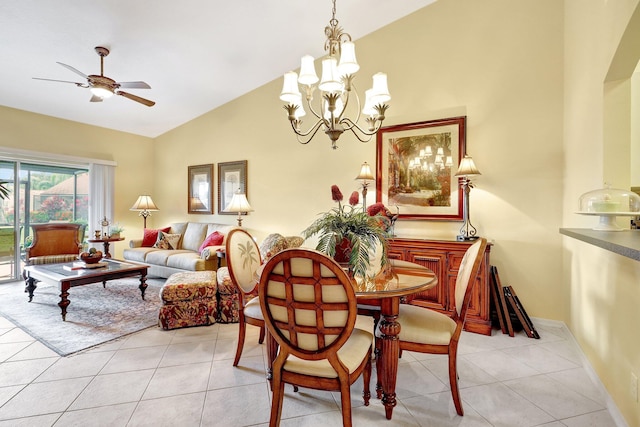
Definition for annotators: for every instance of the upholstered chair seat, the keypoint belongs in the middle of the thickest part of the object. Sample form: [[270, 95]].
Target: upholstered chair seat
[[425, 326]]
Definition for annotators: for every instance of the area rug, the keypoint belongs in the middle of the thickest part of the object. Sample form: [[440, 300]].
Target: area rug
[[95, 315]]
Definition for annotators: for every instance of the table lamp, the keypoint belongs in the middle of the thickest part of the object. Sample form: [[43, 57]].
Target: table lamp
[[240, 205], [145, 205], [365, 175], [467, 169]]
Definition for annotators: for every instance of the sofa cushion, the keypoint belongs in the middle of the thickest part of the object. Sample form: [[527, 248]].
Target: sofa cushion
[[137, 254], [167, 241], [160, 257], [194, 236], [214, 239], [185, 260], [151, 236]]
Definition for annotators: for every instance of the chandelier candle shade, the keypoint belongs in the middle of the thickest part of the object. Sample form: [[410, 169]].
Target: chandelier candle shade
[[337, 91], [145, 205], [239, 204], [467, 169], [365, 176]]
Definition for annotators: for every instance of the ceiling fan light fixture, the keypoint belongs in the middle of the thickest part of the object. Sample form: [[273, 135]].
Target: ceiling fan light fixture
[[101, 91]]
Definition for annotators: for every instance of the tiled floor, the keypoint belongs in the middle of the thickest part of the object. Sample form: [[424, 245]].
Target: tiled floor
[[185, 378]]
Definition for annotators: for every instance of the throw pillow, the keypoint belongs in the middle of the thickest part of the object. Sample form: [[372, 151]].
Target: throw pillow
[[151, 236], [167, 241], [271, 245], [294, 241], [213, 239]]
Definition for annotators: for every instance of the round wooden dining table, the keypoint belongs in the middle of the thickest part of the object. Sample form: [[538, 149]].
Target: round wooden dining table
[[384, 292]]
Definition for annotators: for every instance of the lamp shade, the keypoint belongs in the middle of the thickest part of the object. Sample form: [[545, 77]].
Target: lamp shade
[[467, 167], [330, 77], [308, 74], [239, 203], [144, 203], [290, 92], [348, 63], [365, 173]]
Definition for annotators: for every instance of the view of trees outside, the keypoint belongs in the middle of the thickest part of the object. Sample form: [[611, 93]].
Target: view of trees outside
[[44, 194], [52, 194]]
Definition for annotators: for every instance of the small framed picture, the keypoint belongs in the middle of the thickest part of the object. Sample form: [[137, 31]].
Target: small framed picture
[[232, 176], [416, 167], [200, 189]]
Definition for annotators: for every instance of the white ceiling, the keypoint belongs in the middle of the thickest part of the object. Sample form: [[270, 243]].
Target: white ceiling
[[195, 54]]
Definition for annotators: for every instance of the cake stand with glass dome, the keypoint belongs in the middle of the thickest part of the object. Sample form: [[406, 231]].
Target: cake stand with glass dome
[[608, 204]]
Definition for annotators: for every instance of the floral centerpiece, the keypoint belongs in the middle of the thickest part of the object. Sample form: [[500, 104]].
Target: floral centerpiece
[[350, 234]]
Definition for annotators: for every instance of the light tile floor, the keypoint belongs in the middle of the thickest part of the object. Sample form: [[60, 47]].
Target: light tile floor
[[185, 378]]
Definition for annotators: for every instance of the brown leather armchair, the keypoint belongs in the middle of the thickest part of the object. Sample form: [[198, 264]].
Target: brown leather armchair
[[53, 243]]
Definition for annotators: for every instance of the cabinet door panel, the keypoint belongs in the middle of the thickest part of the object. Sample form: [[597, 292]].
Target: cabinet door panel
[[435, 297], [444, 258]]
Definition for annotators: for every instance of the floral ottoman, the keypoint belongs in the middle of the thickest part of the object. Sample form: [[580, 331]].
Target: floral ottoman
[[189, 299], [228, 302]]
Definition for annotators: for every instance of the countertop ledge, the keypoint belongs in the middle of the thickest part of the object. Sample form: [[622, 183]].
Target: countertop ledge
[[625, 243]]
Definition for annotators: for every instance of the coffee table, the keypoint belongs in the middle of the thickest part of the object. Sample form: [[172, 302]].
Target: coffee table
[[58, 275]]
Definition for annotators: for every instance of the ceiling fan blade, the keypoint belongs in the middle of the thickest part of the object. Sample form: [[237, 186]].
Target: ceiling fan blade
[[95, 99], [134, 85], [136, 98], [62, 81], [69, 67]]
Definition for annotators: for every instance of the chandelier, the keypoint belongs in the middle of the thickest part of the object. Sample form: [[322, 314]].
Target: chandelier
[[336, 92]]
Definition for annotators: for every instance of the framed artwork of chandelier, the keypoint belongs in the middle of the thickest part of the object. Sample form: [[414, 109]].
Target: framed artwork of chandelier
[[416, 168], [338, 98]]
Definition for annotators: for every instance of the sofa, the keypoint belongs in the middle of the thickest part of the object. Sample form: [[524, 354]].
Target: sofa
[[179, 248]]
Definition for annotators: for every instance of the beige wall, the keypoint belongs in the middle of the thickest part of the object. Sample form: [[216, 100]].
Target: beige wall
[[132, 153], [600, 288]]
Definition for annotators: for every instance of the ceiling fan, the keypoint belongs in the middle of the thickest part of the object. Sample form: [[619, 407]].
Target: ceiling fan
[[102, 86]]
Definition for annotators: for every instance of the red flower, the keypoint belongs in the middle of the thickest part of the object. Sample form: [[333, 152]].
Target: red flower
[[354, 199], [377, 208], [336, 195]]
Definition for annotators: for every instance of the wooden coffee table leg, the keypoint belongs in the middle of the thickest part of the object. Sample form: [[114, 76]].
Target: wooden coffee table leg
[[31, 286], [143, 283], [64, 302]]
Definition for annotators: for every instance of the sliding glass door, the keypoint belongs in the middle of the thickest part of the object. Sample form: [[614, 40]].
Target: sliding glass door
[[44, 193], [9, 231]]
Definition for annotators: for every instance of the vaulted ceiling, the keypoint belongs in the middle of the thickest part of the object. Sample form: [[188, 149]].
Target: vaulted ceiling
[[195, 54]]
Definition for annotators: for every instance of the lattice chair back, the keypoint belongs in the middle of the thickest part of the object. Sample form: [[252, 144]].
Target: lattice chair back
[[308, 303], [243, 259], [467, 275]]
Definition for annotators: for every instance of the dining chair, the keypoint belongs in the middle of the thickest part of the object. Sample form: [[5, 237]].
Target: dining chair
[[428, 331], [243, 259], [309, 308]]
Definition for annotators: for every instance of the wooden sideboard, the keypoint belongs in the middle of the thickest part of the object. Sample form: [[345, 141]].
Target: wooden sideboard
[[444, 257]]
